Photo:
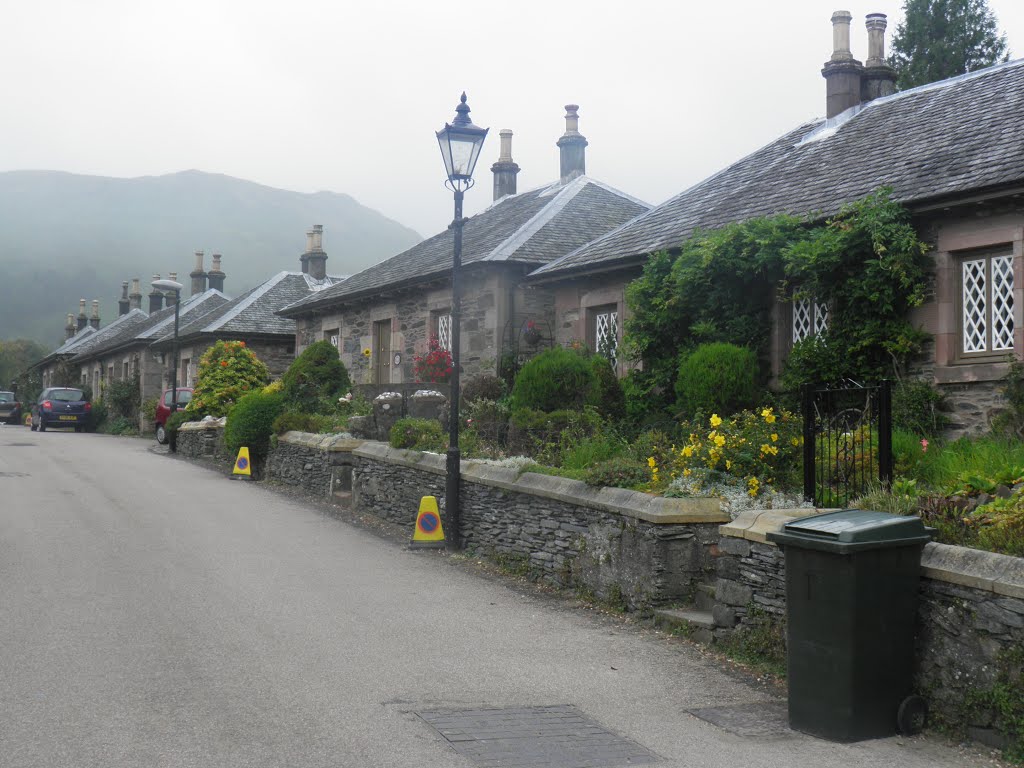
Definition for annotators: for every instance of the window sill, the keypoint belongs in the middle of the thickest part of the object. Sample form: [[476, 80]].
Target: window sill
[[966, 373]]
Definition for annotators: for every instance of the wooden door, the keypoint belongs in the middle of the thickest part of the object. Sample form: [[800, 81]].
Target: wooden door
[[382, 352]]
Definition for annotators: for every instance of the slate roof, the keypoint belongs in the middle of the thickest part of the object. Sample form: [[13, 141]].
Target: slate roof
[[936, 141], [533, 227], [253, 313], [137, 326]]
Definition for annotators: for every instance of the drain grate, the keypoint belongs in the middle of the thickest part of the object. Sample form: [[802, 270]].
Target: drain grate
[[534, 736], [769, 719]]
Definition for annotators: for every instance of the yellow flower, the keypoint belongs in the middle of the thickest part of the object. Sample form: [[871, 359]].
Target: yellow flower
[[728, 464], [366, 352], [795, 441], [686, 473], [687, 451], [715, 420], [652, 463], [775, 437], [719, 440]]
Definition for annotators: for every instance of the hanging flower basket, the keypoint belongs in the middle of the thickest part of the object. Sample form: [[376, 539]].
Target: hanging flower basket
[[531, 334]]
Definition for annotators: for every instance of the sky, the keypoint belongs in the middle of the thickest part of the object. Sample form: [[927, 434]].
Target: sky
[[346, 96]]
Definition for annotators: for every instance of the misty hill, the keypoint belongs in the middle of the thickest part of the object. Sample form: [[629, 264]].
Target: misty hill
[[64, 237]]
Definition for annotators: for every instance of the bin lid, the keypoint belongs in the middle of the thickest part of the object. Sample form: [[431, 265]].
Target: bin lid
[[851, 530]]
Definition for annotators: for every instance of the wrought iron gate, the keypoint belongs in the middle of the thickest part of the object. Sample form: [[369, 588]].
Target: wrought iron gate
[[847, 441]]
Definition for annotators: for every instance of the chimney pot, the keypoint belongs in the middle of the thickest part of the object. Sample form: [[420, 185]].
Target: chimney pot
[[82, 320], [572, 146], [69, 327], [94, 321], [198, 275], [156, 298], [314, 260], [505, 170], [216, 275], [841, 36], [879, 77], [843, 73], [124, 302], [135, 297]]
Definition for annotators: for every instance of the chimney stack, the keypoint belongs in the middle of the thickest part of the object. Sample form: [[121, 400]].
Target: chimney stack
[[198, 275], [156, 298], [94, 321], [82, 319], [842, 72], [215, 274], [879, 78], [572, 146], [69, 327], [505, 170], [169, 294], [124, 301], [135, 297], [314, 260]]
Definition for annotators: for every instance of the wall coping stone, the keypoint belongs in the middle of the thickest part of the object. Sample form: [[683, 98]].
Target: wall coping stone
[[985, 571], [200, 426]]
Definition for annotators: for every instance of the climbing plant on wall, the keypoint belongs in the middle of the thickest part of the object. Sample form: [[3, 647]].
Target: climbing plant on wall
[[866, 263]]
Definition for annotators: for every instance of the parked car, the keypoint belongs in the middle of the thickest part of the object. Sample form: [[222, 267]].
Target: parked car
[[164, 410], [10, 408], [61, 407]]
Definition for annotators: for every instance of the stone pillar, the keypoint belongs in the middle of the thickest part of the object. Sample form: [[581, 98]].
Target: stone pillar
[[314, 260], [124, 302], [94, 320], [198, 275], [879, 78], [216, 275], [505, 170], [156, 298], [82, 319], [842, 72], [572, 146], [387, 409]]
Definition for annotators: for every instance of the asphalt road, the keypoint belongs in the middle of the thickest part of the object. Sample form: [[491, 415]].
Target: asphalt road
[[156, 613]]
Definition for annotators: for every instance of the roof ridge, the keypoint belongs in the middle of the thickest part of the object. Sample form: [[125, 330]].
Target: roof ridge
[[244, 302], [522, 235]]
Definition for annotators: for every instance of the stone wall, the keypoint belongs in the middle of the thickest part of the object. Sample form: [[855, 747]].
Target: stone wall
[[970, 616], [624, 547], [202, 439]]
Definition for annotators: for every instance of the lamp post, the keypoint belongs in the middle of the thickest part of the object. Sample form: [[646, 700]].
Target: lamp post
[[171, 285], [460, 143]]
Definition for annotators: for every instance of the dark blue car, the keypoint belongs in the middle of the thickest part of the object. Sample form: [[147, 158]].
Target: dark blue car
[[61, 407]]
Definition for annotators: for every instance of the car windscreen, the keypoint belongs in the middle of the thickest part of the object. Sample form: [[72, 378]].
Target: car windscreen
[[67, 395], [184, 396], [6, 397]]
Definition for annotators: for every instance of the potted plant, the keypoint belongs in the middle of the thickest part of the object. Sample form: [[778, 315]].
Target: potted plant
[[531, 333]]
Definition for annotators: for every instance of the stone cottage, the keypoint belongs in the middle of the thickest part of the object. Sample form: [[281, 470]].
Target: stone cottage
[[953, 153], [384, 316], [250, 317]]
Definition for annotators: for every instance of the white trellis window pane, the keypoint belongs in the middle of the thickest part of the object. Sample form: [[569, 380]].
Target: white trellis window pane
[[801, 319], [975, 306], [820, 318], [444, 332], [334, 340], [607, 334], [1002, 302]]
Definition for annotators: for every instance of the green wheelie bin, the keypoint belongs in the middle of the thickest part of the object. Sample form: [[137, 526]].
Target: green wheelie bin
[[851, 607]]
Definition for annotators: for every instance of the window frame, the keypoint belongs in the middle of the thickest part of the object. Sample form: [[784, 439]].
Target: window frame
[[593, 315], [989, 354]]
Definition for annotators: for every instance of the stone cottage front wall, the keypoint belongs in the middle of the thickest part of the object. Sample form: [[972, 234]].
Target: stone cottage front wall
[[574, 303], [494, 305]]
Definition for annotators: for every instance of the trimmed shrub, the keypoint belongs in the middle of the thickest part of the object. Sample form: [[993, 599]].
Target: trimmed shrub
[[544, 436], [618, 473], [607, 395], [124, 398], [228, 371], [251, 422], [295, 421], [418, 435], [483, 387], [917, 408], [717, 378], [316, 379], [555, 379]]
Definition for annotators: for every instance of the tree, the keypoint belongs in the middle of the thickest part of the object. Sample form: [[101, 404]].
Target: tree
[[944, 38], [16, 356]]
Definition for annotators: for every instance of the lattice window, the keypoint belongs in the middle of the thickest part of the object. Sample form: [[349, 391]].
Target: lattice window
[[810, 317], [444, 332], [606, 334], [334, 336], [986, 286]]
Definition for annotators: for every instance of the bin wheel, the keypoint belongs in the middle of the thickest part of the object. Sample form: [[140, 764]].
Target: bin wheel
[[912, 715]]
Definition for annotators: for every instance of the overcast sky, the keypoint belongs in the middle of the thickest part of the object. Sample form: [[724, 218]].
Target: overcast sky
[[346, 96]]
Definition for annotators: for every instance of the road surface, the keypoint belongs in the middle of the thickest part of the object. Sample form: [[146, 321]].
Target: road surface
[[156, 613]]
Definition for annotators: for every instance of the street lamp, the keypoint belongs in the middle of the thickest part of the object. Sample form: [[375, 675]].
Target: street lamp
[[171, 285], [460, 142]]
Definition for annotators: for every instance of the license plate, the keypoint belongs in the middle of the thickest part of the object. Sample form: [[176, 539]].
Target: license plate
[[69, 418]]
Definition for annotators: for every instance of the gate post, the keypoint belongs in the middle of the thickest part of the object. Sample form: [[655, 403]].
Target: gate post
[[885, 432], [807, 399]]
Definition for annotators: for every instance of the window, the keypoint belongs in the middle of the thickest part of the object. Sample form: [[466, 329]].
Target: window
[[986, 305], [334, 336], [186, 372], [810, 318], [441, 328], [603, 331]]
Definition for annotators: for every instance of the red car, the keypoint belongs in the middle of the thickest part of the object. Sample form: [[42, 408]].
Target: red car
[[163, 410]]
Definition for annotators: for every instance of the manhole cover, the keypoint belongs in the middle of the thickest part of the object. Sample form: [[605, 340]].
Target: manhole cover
[[768, 719], [534, 736]]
